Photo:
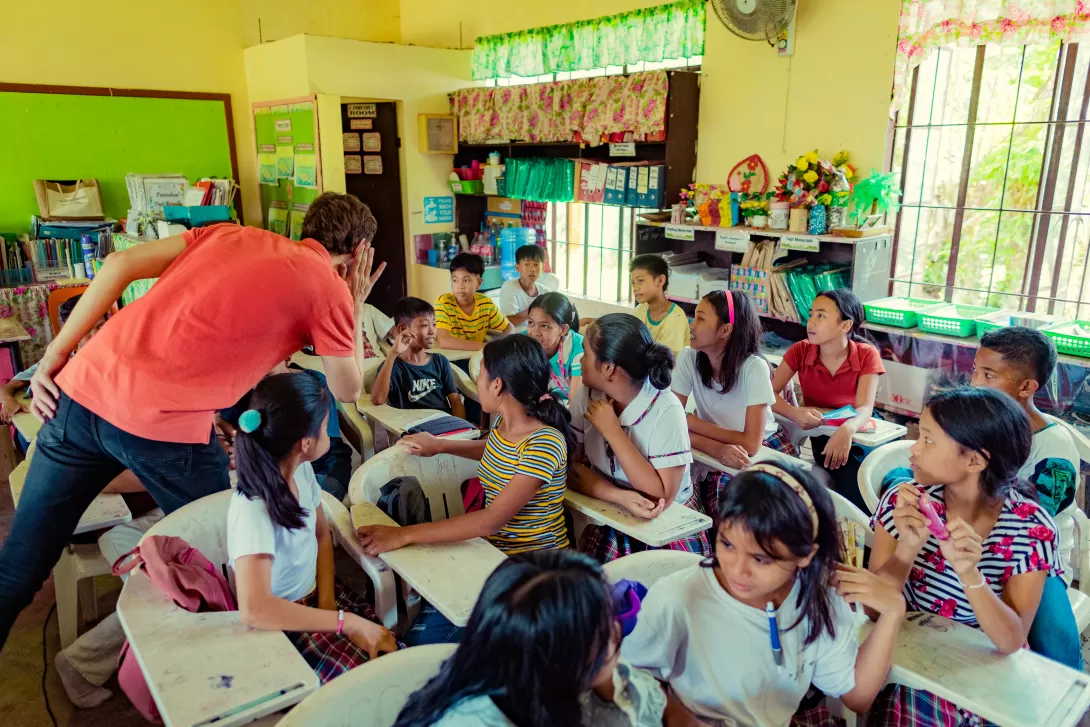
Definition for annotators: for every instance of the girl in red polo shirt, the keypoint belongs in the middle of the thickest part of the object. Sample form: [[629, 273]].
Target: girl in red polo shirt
[[837, 366]]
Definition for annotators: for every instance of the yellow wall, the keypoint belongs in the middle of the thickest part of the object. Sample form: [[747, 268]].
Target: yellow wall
[[156, 44]]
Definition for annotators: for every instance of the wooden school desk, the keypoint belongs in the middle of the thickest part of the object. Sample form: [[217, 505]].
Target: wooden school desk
[[254, 672], [26, 423], [105, 511], [960, 663], [452, 354], [396, 421], [884, 433], [449, 576], [675, 522]]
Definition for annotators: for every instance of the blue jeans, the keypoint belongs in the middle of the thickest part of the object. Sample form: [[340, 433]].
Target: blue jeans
[[845, 481], [1053, 633], [432, 627], [77, 455]]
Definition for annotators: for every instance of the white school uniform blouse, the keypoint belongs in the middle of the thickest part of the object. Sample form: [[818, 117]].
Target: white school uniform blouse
[[727, 409], [654, 421], [716, 652], [250, 531]]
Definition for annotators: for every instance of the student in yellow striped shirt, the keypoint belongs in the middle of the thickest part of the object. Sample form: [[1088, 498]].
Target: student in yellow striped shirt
[[464, 317]]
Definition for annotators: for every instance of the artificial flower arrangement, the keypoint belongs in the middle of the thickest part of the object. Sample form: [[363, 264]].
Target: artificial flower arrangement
[[812, 181]]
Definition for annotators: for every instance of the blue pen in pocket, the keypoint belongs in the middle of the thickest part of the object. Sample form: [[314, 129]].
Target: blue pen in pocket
[[774, 632]]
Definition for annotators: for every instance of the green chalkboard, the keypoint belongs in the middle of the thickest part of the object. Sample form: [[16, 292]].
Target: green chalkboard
[[62, 136]]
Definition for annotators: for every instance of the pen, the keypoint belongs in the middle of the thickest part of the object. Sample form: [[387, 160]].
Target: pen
[[774, 631]]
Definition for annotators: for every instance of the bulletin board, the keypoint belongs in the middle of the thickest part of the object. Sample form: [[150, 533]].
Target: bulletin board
[[74, 132], [288, 162]]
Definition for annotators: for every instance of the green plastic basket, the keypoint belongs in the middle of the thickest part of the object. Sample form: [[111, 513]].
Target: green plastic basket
[[953, 320], [1070, 337], [992, 321], [899, 312]]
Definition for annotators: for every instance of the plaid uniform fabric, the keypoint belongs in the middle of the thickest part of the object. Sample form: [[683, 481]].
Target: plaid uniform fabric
[[781, 443], [899, 706], [816, 716], [330, 655], [606, 544]]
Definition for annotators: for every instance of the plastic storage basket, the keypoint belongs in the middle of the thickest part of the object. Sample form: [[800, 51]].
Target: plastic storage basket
[[992, 321], [953, 320], [1070, 337], [899, 312]]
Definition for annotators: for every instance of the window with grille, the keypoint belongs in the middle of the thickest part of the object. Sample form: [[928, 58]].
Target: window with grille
[[989, 146], [590, 245]]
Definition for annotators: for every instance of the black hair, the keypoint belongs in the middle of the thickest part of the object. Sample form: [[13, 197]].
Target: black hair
[[768, 509], [540, 632], [472, 264], [744, 341], [64, 310], [851, 309], [623, 340], [653, 264], [559, 308], [991, 423], [291, 407], [519, 362], [339, 222], [409, 308], [1024, 347], [530, 252]]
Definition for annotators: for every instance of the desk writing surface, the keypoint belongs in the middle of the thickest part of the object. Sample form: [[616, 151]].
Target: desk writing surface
[[449, 576], [12, 331], [675, 522], [960, 663], [105, 511], [764, 454], [208, 666], [26, 423], [399, 420]]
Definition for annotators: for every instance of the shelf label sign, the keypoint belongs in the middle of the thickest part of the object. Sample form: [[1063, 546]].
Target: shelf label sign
[[623, 149], [362, 111], [680, 232], [732, 240], [805, 243]]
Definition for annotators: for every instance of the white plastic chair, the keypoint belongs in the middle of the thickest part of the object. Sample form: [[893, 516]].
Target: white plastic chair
[[877, 465], [440, 478], [154, 625], [466, 384], [649, 566], [371, 695]]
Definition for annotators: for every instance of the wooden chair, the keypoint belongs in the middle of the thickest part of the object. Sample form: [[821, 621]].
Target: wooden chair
[[371, 695], [180, 653], [53, 303]]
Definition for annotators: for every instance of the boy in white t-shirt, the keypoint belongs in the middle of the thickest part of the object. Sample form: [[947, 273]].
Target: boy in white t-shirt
[[517, 294]]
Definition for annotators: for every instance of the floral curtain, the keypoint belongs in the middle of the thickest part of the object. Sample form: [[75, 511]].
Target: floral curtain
[[654, 34], [561, 110], [929, 24]]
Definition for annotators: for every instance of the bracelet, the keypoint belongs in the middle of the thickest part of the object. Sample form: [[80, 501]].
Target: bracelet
[[983, 582], [340, 622]]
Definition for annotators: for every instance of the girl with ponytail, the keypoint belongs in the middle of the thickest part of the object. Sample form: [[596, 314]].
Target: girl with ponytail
[[554, 323], [837, 366], [634, 440], [278, 540]]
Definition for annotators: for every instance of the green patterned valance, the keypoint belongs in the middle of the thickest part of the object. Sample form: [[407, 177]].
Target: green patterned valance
[[664, 32]]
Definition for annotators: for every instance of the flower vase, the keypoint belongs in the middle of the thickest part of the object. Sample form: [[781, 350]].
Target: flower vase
[[798, 220], [838, 217], [819, 220], [758, 222]]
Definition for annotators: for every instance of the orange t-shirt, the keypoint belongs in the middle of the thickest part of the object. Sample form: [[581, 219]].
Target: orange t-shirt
[[233, 304]]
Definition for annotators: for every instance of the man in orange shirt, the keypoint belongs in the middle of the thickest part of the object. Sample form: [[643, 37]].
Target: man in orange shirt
[[230, 303]]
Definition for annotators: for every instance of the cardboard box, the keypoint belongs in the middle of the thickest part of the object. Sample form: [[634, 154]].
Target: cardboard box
[[505, 206], [905, 387]]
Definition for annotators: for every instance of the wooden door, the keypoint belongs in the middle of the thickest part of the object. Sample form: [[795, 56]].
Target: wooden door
[[381, 192]]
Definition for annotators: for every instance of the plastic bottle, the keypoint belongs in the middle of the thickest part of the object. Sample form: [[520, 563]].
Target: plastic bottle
[[90, 249]]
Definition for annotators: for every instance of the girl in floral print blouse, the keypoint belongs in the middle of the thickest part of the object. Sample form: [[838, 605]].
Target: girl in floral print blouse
[[990, 571]]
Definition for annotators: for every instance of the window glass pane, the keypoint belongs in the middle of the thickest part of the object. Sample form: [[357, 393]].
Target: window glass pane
[[1066, 161], [990, 148], [1039, 82], [1078, 87], [999, 84], [940, 171], [1009, 272], [897, 161], [954, 85], [1027, 154], [975, 251], [925, 89]]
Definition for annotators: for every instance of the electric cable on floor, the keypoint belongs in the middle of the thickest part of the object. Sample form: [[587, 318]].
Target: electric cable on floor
[[45, 666]]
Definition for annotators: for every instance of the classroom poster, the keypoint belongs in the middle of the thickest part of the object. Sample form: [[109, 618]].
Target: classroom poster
[[372, 141], [372, 164], [353, 164], [278, 220], [306, 171], [266, 165], [298, 212], [350, 141], [358, 124], [285, 161]]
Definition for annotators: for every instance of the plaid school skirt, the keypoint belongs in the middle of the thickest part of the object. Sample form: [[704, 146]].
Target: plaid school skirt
[[606, 544], [781, 443], [899, 706], [331, 655]]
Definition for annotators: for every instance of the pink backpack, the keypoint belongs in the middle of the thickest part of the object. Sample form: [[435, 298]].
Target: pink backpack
[[191, 580]]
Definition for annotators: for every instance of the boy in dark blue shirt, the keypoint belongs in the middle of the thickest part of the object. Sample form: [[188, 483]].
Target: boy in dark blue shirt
[[410, 377]]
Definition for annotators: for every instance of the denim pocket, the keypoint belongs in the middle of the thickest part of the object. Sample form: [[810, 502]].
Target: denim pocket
[[53, 431], [168, 458]]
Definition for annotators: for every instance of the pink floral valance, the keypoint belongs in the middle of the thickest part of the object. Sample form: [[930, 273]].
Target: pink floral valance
[[929, 24], [585, 108]]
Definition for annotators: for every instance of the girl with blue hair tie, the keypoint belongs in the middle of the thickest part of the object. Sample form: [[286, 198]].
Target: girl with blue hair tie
[[278, 540]]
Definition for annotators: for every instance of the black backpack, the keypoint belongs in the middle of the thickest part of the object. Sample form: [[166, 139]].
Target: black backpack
[[402, 499]]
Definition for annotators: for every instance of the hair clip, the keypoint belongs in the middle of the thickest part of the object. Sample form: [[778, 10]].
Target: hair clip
[[249, 421], [545, 397]]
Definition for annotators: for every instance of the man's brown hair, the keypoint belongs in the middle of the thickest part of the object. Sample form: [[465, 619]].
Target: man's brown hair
[[339, 222]]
